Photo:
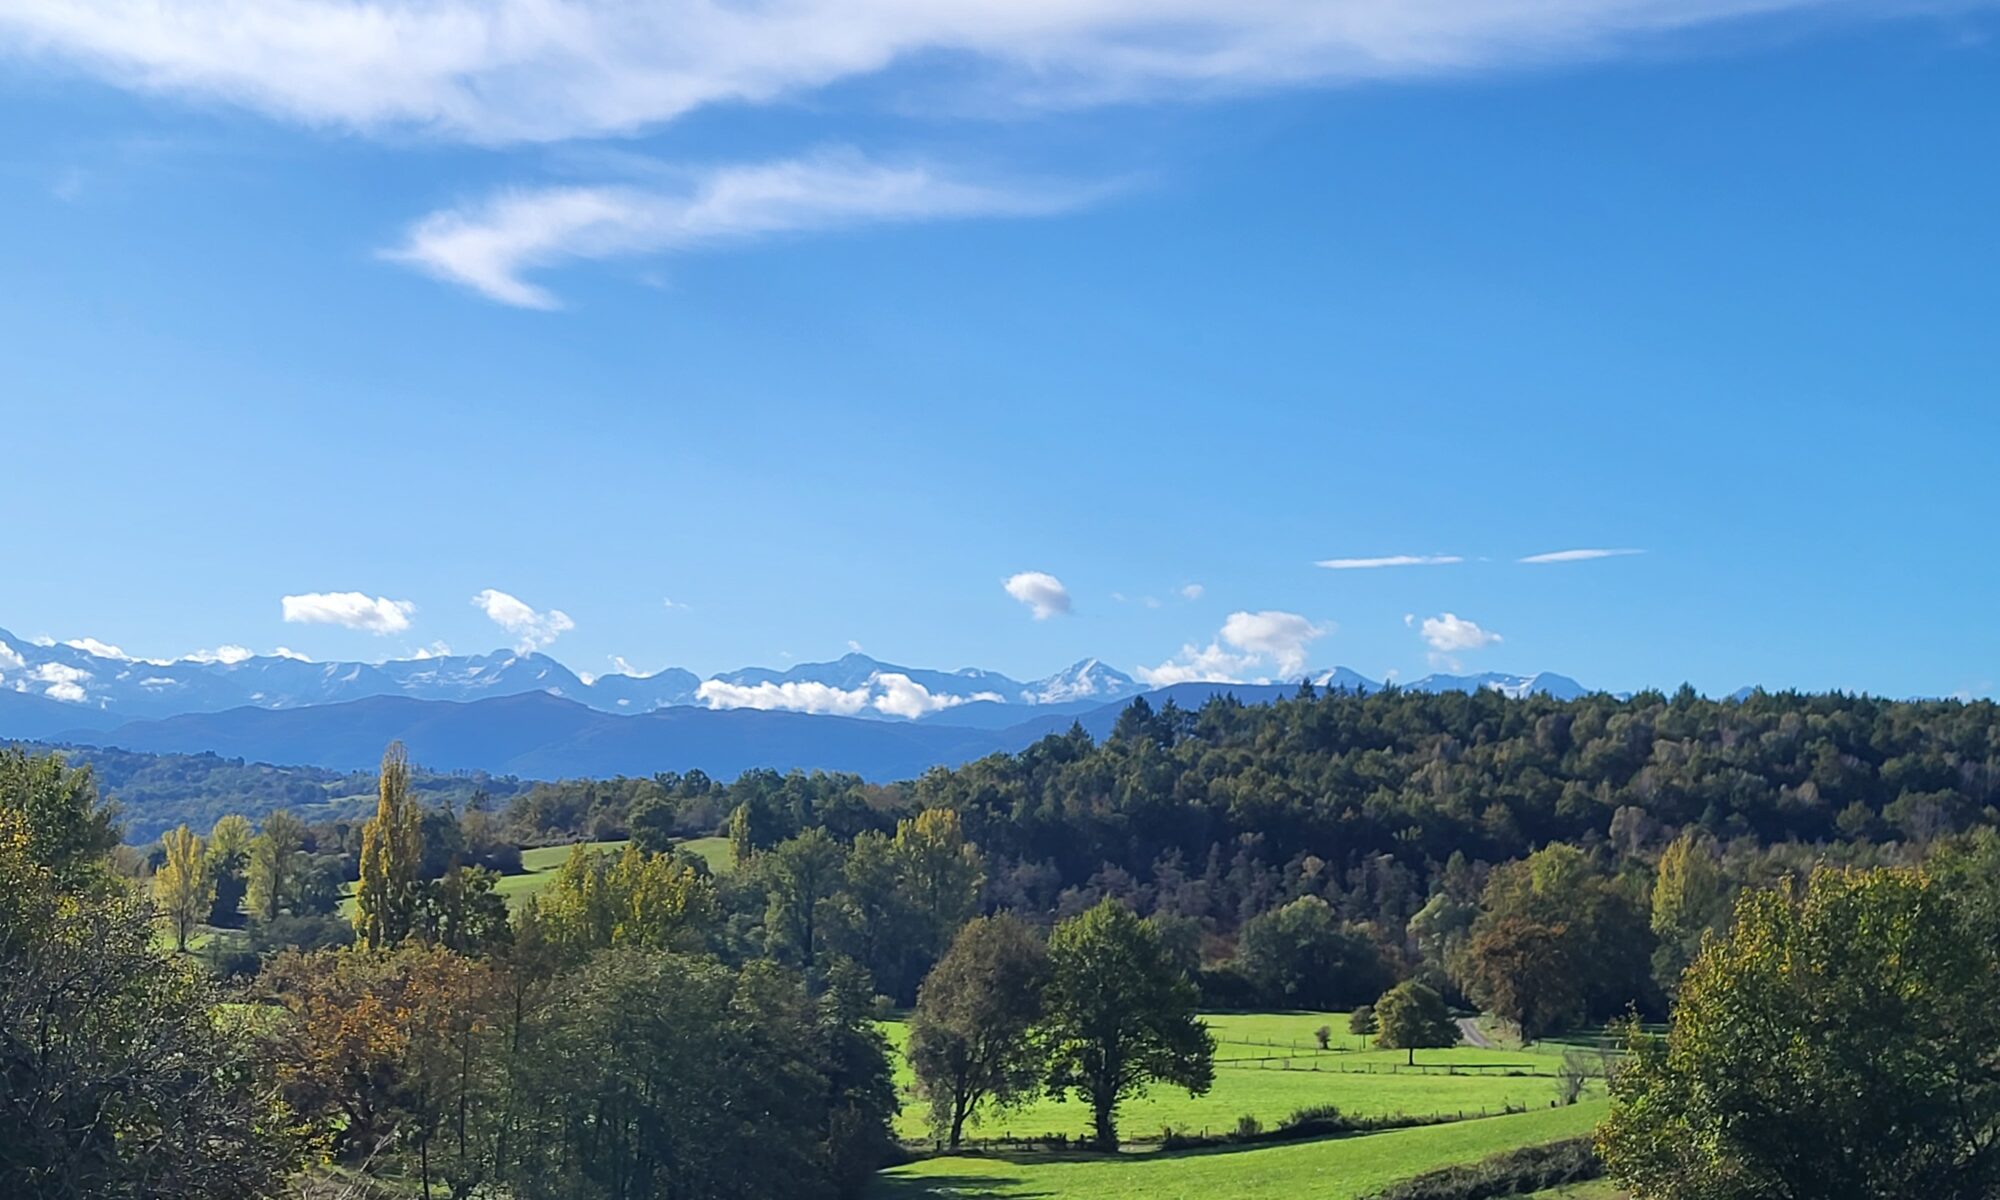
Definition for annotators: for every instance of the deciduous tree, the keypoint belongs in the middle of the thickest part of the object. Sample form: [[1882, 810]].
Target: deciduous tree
[[969, 1037], [389, 892], [276, 865], [1119, 1016], [183, 886], [1412, 1017], [1839, 1044]]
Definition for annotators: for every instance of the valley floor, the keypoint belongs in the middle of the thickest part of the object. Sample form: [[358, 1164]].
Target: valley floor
[[1330, 1169]]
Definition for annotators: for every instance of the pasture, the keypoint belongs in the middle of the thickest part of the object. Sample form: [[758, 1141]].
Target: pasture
[[1329, 1169], [540, 864], [1268, 1065]]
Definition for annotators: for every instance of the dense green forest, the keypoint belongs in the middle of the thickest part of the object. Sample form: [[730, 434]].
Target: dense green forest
[[1052, 922]]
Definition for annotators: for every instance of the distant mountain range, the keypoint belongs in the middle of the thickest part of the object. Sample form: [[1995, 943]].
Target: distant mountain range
[[97, 689], [529, 715]]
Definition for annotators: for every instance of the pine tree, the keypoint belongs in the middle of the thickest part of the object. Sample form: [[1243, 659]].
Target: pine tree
[[392, 846]]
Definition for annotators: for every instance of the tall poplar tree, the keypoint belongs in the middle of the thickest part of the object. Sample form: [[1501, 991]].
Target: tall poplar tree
[[392, 846], [183, 885]]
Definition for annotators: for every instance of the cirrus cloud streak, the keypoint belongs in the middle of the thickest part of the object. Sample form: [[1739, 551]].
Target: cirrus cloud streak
[[495, 71], [491, 245]]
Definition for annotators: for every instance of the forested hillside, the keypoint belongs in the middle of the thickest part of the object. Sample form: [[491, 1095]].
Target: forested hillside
[[1068, 922], [156, 792]]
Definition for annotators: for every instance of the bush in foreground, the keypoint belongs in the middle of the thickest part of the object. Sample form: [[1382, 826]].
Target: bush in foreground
[[1515, 1173]]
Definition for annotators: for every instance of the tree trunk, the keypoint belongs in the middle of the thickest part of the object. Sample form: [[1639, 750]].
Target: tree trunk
[[1413, 1055], [1103, 1120]]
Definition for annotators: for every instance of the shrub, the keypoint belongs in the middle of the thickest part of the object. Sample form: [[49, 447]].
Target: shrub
[[1515, 1173], [1248, 1126]]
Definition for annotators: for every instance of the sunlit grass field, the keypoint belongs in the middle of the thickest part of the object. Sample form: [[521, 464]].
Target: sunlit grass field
[[1269, 1065], [540, 865], [1329, 1169]]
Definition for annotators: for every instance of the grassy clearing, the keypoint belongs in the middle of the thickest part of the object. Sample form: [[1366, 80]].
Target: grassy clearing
[[1268, 1065], [1594, 1190], [539, 867], [714, 851], [1331, 1169]]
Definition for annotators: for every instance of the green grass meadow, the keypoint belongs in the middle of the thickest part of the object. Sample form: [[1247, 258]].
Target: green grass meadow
[[540, 865], [1268, 1065], [1328, 1169]]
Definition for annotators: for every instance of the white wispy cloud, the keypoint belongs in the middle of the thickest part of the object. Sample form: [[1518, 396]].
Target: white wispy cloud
[[1248, 642], [1192, 591], [508, 70], [1042, 592], [1390, 560], [288, 652], [353, 610], [225, 654], [1565, 556], [491, 245], [535, 629]]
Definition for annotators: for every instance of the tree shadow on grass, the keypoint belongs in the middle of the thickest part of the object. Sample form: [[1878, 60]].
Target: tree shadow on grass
[[952, 1187]]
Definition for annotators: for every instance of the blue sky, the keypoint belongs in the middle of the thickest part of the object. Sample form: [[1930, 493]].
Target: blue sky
[[823, 320]]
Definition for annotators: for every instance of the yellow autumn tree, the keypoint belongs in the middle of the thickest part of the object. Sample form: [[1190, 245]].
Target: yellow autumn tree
[[392, 848], [183, 885]]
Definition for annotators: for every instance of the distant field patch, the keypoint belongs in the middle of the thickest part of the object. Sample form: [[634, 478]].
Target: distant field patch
[[1331, 1169], [1269, 1065], [714, 851]]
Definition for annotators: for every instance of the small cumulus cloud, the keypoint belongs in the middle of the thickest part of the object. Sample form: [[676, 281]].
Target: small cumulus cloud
[[890, 693], [1390, 560], [10, 658], [790, 696], [90, 645], [1248, 642], [1282, 636], [226, 655], [352, 610], [1192, 591], [898, 695], [1043, 593], [533, 628], [1569, 556], [1449, 633], [288, 652], [64, 682]]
